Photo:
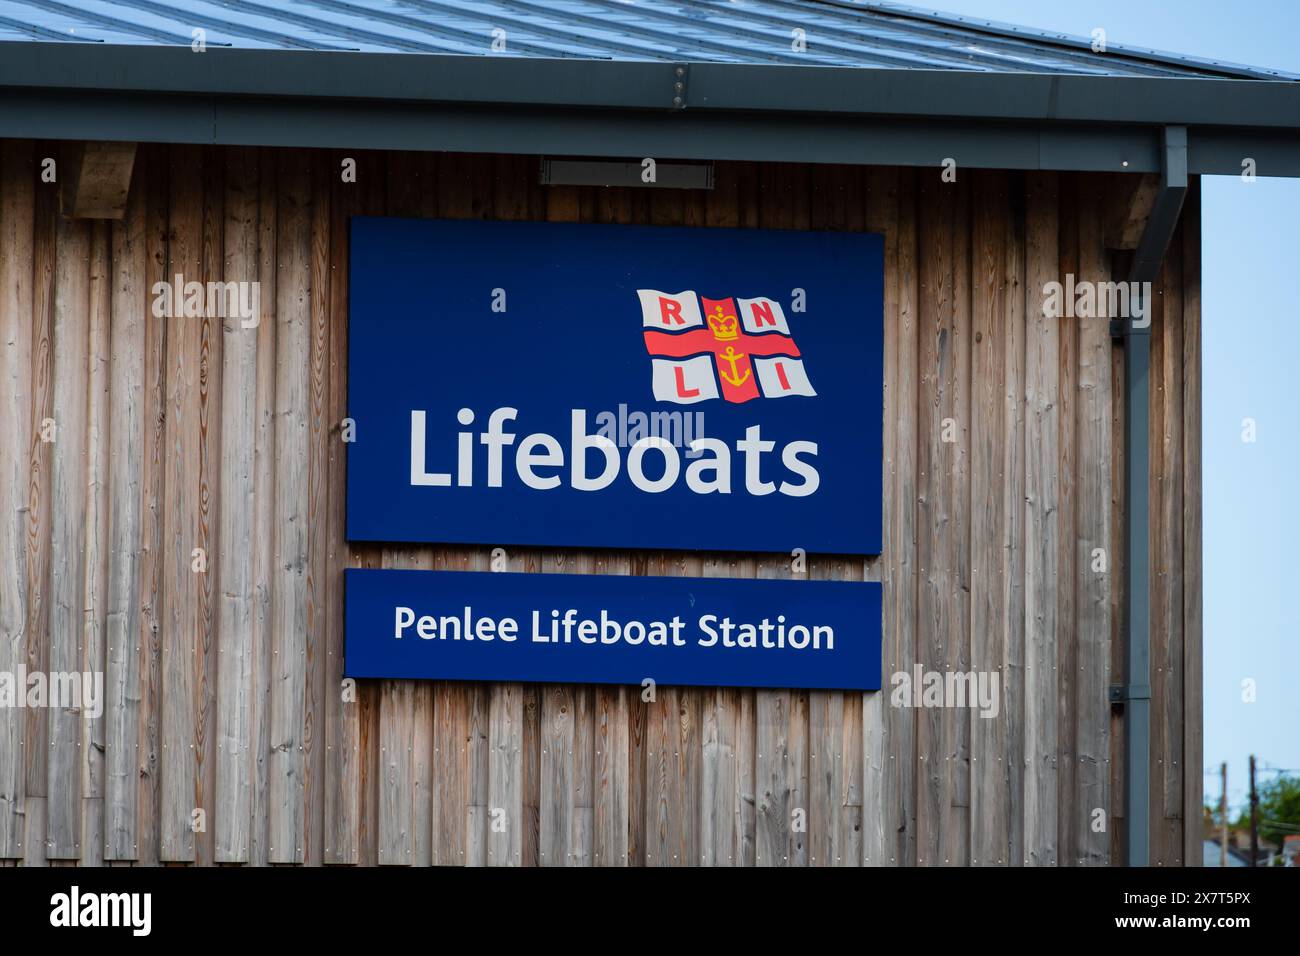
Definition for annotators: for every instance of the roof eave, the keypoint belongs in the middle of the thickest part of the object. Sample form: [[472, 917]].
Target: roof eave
[[275, 97]]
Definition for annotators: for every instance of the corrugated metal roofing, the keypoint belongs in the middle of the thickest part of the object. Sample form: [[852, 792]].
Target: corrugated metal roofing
[[870, 35]]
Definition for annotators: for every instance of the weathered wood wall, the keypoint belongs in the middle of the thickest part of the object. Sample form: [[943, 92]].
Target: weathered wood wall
[[222, 686]]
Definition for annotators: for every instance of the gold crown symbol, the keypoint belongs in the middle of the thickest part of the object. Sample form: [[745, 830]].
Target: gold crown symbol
[[723, 326]]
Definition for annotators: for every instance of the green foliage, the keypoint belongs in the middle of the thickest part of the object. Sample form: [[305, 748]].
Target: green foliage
[[1279, 809]]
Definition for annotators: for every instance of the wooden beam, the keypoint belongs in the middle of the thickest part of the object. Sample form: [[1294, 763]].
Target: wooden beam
[[1128, 217], [96, 179]]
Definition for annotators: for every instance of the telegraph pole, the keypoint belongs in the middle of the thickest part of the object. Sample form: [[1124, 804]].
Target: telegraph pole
[[1223, 814], [1254, 815]]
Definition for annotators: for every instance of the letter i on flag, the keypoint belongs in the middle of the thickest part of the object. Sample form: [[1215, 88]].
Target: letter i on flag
[[730, 348]]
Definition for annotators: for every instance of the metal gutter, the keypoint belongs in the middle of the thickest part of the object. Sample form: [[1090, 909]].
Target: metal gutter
[[607, 84], [625, 134], [626, 109], [1135, 693]]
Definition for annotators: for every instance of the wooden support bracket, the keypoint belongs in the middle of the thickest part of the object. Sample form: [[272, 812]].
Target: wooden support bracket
[[95, 180]]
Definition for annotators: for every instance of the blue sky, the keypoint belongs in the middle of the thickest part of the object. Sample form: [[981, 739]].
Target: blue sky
[[1251, 344]]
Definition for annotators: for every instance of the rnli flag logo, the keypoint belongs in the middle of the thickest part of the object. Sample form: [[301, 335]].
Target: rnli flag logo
[[737, 349]]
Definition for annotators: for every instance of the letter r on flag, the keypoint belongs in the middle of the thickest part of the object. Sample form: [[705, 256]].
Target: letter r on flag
[[669, 311]]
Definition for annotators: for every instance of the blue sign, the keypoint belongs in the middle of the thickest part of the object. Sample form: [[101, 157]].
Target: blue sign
[[584, 628], [615, 386]]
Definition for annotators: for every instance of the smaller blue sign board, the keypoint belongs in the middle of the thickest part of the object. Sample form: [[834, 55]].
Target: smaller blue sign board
[[596, 629]]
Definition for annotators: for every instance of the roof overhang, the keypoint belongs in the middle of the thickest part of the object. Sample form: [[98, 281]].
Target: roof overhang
[[621, 108]]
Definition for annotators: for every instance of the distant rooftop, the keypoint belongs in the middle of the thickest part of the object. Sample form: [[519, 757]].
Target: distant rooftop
[[834, 33]]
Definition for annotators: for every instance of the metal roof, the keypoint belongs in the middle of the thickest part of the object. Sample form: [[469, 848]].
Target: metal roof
[[833, 33]]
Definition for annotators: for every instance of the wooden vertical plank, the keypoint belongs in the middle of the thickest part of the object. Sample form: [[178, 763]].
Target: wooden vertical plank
[[780, 767], [1116, 822], [95, 583], [690, 715], [267, 424], [531, 775], [374, 202], [638, 825], [583, 821], [40, 464], [1011, 686], [343, 757], [1066, 651], [452, 782], [209, 449], [399, 802], [127, 400], [727, 735], [880, 817], [902, 772], [436, 755], [557, 770], [318, 515], [665, 807], [1092, 530], [505, 776], [413, 795], [776, 772], [181, 627], [940, 412], [290, 588], [148, 628], [728, 741], [68, 492], [610, 777], [16, 236], [954, 844], [825, 775], [1193, 660], [236, 530], [478, 812], [396, 787], [1042, 528], [663, 812], [34, 843], [849, 839]]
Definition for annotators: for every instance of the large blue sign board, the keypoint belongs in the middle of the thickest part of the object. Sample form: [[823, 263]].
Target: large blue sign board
[[614, 386], [582, 628]]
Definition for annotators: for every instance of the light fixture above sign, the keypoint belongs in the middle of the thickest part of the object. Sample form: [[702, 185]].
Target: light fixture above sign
[[646, 172]]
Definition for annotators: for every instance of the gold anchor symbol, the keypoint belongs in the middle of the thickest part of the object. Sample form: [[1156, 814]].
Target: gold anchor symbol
[[732, 358]]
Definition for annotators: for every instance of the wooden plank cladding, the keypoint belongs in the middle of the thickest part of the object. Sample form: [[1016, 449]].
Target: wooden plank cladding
[[172, 508]]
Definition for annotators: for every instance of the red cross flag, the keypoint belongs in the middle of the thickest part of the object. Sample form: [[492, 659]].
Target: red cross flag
[[745, 343]]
